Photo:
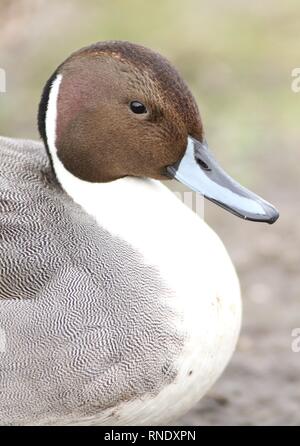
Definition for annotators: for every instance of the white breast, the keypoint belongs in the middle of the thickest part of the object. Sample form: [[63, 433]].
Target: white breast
[[195, 265]]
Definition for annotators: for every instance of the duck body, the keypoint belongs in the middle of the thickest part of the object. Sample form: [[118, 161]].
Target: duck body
[[122, 315], [118, 304]]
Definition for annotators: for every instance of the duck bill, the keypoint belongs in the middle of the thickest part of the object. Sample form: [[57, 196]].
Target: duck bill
[[200, 172]]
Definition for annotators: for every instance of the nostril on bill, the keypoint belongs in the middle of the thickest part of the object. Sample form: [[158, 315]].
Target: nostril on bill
[[202, 164]]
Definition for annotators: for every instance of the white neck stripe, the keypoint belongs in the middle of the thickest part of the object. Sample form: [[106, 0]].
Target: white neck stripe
[[51, 116]]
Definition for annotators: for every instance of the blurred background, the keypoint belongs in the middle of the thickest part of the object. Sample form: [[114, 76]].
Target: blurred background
[[237, 57]]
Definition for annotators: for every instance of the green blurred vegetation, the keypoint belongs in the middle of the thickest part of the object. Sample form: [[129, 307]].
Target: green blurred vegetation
[[237, 57]]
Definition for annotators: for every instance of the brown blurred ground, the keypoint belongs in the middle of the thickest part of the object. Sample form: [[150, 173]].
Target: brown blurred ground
[[238, 59]]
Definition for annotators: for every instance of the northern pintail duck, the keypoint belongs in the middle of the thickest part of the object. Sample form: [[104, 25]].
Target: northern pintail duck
[[118, 304]]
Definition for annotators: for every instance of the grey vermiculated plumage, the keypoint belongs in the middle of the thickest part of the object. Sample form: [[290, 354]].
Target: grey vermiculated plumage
[[88, 325]]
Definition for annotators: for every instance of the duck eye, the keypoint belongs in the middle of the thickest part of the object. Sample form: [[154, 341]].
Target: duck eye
[[137, 107]]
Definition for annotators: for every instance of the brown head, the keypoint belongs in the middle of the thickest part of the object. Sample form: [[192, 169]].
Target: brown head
[[119, 110], [122, 110]]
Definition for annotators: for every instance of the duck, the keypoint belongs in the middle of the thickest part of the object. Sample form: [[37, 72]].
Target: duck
[[118, 304]]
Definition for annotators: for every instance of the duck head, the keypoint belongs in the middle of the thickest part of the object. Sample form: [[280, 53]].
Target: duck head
[[116, 109]]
